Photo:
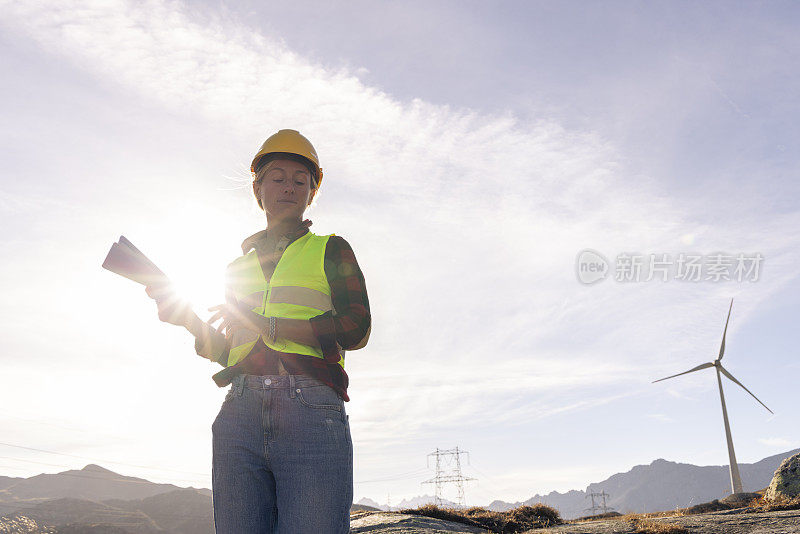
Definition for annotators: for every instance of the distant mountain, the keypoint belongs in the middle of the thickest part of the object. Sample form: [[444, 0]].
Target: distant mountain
[[665, 485], [8, 481], [416, 502], [372, 504], [570, 504], [662, 485], [181, 510], [96, 500], [62, 512], [92, 483], [364, 508]]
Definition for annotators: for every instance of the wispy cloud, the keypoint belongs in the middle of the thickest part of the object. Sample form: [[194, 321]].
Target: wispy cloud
[[679, 394], [775, 442], [476, 206], [466, 224]]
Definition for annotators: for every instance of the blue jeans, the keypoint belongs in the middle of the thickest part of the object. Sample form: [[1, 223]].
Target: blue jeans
[[283, 458]]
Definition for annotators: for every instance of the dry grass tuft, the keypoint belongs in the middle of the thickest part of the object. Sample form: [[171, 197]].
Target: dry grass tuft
[[775, 506], [648, 526], [678, 512], [607, 515], [516, 520]]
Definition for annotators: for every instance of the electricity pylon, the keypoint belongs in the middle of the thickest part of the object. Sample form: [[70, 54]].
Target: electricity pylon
[[597, 507], [448, 469]]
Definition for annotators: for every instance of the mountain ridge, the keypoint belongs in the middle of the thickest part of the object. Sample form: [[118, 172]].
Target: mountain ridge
[[92, 483], [660, 485], [94, 492]]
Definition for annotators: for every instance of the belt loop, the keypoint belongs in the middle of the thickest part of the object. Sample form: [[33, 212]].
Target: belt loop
[[240, 380], [291, 387]]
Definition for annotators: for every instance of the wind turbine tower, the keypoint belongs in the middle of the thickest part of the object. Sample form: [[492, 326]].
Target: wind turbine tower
[[736, 479]]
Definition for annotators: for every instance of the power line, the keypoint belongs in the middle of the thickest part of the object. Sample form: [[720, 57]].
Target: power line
[[400, 476], [104, 461], [83, 430], [494, 489], [81, 474]]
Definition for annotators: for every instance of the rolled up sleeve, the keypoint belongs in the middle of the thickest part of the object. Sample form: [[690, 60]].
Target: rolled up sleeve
[[348, 325]]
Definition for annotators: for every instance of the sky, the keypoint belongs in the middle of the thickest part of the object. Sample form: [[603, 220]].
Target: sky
[[472, 151]]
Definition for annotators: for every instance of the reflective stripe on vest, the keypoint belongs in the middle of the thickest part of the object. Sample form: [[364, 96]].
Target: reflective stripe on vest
[[298, 289], [300, 296]]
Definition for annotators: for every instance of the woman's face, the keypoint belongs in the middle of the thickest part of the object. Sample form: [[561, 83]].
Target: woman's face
[[284, 188]]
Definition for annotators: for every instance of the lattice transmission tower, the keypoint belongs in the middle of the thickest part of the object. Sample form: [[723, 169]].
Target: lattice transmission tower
[[597, 507], [448, 469]]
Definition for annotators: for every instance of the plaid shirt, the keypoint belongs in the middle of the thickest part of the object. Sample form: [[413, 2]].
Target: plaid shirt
[[347, 328]]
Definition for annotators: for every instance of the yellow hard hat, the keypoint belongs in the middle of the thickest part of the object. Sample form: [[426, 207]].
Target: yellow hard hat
[[290, 143]]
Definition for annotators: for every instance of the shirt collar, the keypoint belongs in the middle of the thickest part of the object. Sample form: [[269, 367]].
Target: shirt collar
[[252, 241]]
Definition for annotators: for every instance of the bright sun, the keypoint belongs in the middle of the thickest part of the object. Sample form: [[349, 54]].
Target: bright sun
[[197, 271], [203, 287]]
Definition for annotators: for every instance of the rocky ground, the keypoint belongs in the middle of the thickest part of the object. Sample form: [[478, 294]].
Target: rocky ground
[[397, 523], [725, 522]]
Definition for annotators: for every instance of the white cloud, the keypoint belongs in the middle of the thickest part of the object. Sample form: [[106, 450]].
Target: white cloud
[[775, 442], [466, 225]]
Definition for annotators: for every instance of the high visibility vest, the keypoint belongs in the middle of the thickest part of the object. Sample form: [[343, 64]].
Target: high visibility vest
[[298, 289]]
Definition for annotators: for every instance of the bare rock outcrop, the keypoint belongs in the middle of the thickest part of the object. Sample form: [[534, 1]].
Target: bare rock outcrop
[[786, 481]]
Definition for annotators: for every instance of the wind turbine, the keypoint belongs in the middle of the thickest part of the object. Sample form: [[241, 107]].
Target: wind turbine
[[736, 479]]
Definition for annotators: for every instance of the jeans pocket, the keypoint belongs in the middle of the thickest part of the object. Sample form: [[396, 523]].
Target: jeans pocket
[[319, 397]]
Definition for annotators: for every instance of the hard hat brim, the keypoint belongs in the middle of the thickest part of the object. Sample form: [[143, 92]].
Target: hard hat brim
[[259, 164], [290, 142]]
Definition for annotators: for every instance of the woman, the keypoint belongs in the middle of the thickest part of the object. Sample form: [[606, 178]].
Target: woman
[[295, 301]]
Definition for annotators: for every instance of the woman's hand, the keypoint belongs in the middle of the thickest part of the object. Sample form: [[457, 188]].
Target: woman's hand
[[237, 316], [171, 308]]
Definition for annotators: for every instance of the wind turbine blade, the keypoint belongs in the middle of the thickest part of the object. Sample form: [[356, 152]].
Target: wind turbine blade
[[701, 366], [726, 373], [724, 332]]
